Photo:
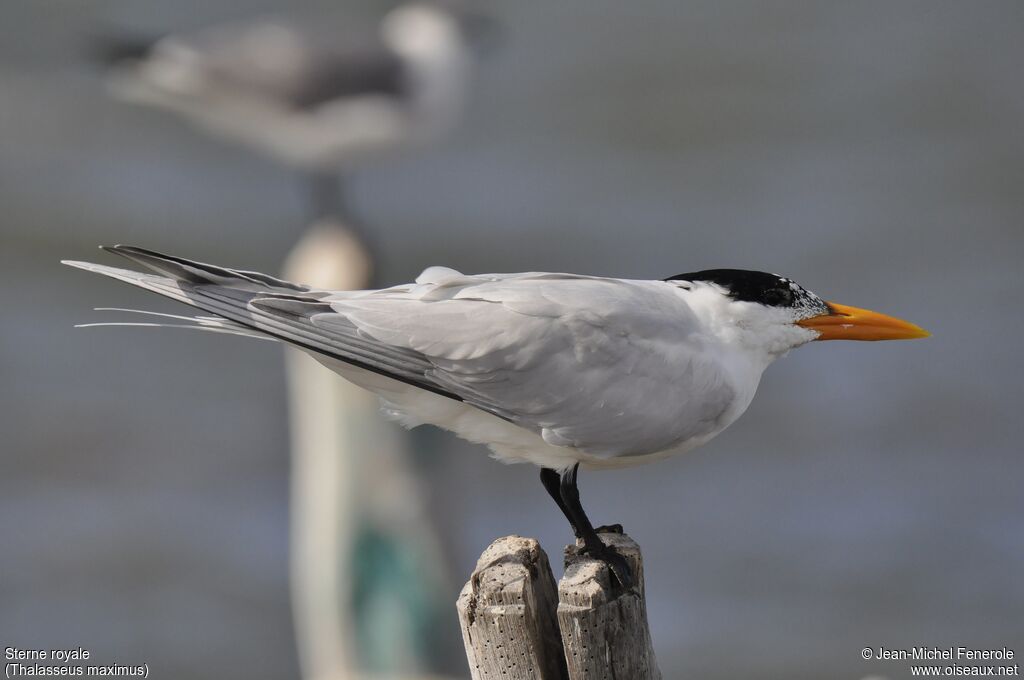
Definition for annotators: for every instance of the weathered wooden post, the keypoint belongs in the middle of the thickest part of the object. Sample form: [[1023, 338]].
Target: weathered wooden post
[[604, 631], [507, 612], [515, 627]]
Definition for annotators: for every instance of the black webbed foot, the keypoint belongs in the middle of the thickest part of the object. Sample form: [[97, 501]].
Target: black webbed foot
[[618, 566]]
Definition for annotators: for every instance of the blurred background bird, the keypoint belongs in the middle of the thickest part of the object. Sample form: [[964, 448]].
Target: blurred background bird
[[321, 96], [870, 146]]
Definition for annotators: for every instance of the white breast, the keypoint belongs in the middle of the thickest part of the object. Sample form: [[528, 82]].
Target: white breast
[[509, 443]]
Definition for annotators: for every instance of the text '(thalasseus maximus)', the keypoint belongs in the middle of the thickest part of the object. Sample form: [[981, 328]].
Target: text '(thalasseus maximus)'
[[558, 370]]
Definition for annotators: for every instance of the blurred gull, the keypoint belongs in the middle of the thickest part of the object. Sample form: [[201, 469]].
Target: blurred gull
[[312, 97]]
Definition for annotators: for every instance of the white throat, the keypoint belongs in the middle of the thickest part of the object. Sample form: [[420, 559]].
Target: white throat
[[765, 333]]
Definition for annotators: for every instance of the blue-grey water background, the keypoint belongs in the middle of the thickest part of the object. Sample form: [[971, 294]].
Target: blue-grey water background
[[872, 495]]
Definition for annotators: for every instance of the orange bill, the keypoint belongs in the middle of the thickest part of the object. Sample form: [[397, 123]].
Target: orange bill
[[852, 323]]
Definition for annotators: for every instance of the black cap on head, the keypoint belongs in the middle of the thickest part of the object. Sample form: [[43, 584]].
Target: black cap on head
[[761, 287]]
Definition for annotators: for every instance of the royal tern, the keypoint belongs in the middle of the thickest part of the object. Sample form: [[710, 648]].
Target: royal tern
[[558, 370]]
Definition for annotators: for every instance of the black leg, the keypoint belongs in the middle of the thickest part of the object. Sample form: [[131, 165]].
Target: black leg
[[592, 543], [551, 482]]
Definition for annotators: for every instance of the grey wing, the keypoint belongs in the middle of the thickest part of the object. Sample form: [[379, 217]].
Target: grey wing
[[298, 65], [363, 70], [608, 366]]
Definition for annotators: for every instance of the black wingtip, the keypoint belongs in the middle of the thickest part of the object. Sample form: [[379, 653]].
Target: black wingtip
[[128, 251], [118, 249]]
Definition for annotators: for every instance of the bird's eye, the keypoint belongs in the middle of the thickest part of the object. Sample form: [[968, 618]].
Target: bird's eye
[[778, 297]]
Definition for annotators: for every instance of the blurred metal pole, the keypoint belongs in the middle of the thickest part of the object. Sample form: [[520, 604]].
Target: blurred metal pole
[[351, 492]]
